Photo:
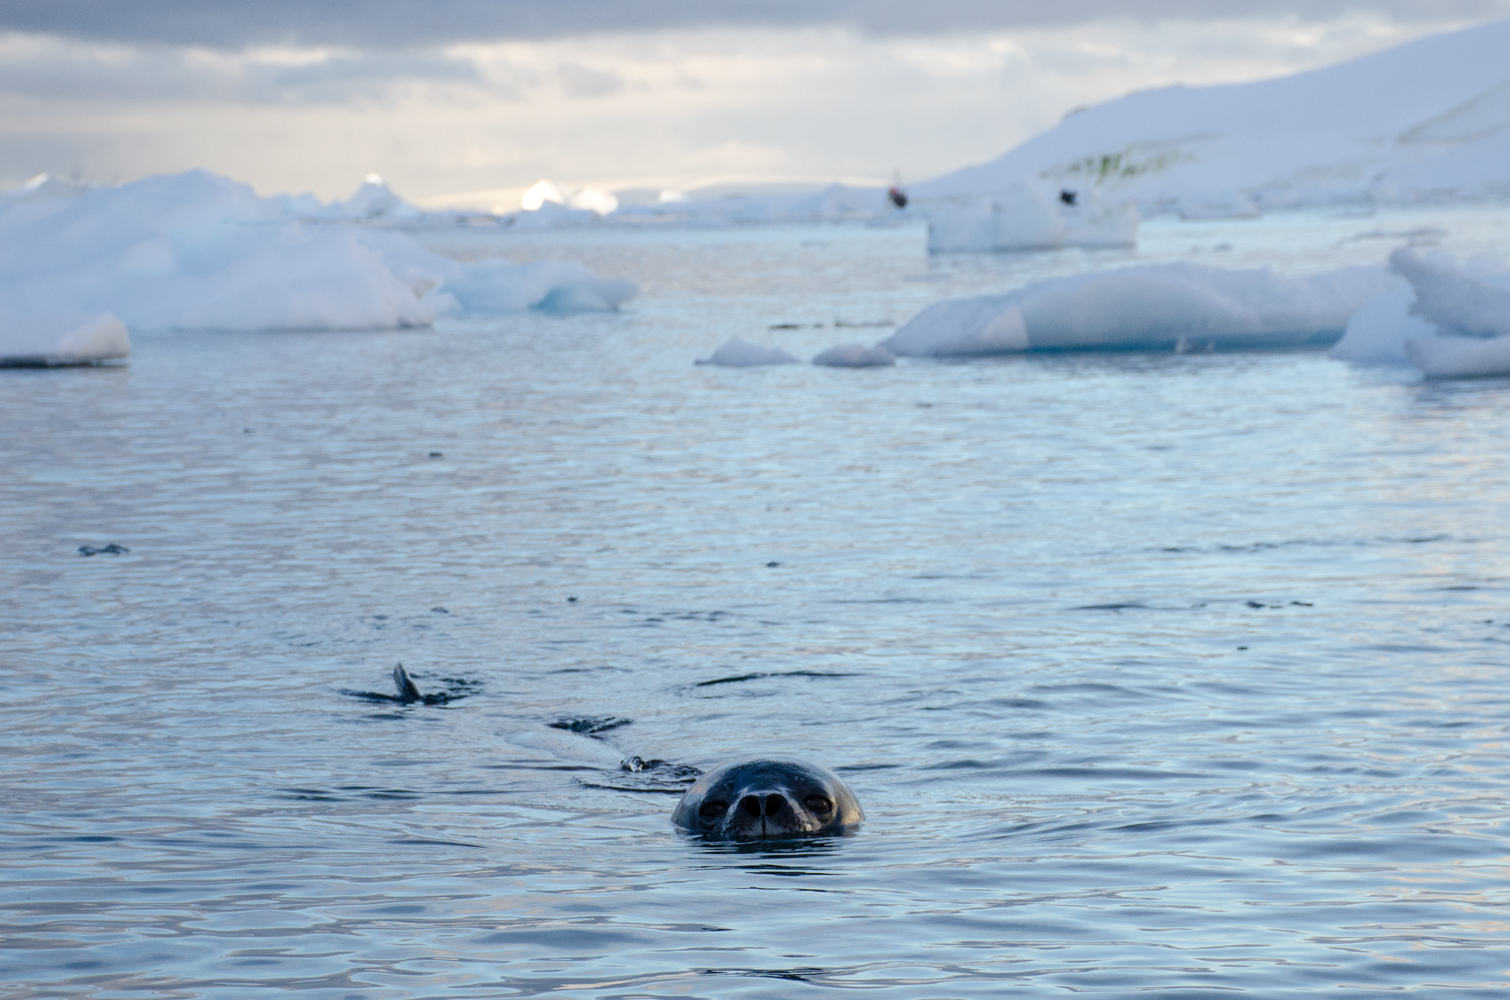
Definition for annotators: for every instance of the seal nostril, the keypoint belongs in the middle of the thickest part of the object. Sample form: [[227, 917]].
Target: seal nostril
[[750, 804], [774, 804]]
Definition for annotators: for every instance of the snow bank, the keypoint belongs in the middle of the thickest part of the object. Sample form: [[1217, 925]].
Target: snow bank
[[1026, 217], [743, 354], [1427, 119], [1149, 307], [855, 356], [200, 251]]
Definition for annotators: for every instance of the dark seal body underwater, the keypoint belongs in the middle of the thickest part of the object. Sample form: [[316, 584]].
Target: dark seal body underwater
[[768, 798]]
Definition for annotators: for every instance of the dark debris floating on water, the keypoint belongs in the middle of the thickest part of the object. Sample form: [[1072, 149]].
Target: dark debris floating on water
[[590, 726], [410, 694], [104, 550]]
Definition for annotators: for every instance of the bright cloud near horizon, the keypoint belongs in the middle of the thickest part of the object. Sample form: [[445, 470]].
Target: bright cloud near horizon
[[480, 99]]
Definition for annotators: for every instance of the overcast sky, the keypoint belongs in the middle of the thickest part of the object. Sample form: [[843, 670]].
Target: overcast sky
[[452, 96]]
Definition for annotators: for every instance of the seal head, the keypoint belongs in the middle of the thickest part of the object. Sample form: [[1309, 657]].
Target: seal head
[[768, 798]]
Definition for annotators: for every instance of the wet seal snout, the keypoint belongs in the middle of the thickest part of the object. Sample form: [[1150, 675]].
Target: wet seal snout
[[768, 798]]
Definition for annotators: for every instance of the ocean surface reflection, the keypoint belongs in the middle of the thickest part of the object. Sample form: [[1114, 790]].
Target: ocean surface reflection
[[1178, 673]]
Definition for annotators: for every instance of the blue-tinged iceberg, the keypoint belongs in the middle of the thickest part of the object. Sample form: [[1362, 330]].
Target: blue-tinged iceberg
[[1149, 307]]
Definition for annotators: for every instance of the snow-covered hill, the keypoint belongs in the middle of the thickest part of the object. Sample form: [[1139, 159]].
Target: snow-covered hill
[[1427, 119]]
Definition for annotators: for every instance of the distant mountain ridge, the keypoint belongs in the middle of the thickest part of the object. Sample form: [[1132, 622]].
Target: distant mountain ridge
[[1426, 119]]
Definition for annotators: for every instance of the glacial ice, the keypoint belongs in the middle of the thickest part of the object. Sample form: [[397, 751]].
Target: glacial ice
[[1469, 298], [1377, 332], [1176, 306], [199, 251], [1453, 356], [743, 354], [587, 200], [1426, 119], [855, 356], [1455, 316]]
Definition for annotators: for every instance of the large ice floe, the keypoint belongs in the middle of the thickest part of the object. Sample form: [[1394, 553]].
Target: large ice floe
[[1149, 307], [1448, 317], [199, 251], [1429, 119]]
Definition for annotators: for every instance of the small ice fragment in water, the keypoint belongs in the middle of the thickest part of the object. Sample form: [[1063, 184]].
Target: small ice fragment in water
[[855, 356], [743, 354]]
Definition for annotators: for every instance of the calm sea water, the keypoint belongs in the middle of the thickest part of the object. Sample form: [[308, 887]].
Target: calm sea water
[[1174, 673]]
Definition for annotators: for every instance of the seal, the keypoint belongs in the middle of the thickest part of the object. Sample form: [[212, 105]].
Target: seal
[[768, 798]]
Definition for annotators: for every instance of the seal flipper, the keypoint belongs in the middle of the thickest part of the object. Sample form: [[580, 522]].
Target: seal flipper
[[407, 691]]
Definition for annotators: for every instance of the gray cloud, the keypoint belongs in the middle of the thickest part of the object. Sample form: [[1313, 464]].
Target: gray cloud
[[419, 23], [69, 73], [583, 81]]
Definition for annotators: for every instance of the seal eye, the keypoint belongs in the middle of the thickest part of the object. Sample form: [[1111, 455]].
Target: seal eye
[[713, 809], [818, 804]]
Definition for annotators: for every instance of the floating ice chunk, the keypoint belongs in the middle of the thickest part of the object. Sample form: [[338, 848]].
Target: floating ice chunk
[[1023, 217], [1469, 297], [199, 251], [541, 192], [592, 294], [546, 193], [61, 340], [1466, 304], [855, 356], [376, 200], [494, 285], [1149, 307], [743, 354], [1377, 332], [593, 200], [1460, 357]]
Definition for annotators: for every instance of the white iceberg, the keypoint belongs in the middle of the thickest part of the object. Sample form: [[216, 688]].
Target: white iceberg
[[199, 251], [1378, 331], [743, 354], [583, 200], [1453, 356], [1025, 217], [1470, 298], [1426, 119], [1149, 307], [376, 200], [1452, 321], [855, 356]]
